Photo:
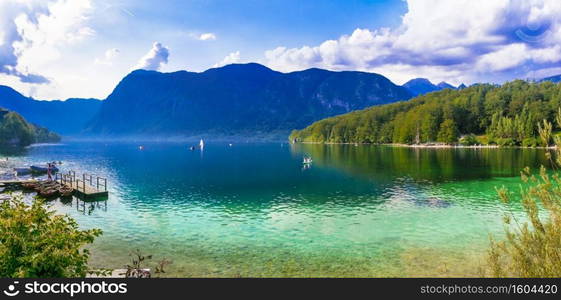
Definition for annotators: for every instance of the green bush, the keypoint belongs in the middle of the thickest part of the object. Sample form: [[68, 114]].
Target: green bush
[[482, 140], [505, 142], [34, 242], [530, 142], [531, 249], [468, 140]]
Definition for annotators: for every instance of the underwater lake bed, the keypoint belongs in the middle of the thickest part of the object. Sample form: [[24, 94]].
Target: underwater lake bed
[[254, 209]]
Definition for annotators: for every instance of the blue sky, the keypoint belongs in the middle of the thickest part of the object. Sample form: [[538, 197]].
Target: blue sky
[[56, 49], [251, 27]]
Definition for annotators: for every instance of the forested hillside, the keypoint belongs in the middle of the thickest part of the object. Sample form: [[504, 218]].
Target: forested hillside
[[505, 115], [237, 99], [15, 131]]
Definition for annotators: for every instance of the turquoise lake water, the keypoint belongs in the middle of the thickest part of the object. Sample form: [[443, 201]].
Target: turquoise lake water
[[251, 209]]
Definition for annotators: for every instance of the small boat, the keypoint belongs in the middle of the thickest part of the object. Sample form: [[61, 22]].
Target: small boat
[[48, 193], [202, 144], [307, 160], [141, 148], [29, 185], [22, 171], [65, 191], [46, 186], [192, 148], [43, 170]]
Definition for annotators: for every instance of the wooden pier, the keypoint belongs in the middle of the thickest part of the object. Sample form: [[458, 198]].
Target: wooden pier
[[88, 187]]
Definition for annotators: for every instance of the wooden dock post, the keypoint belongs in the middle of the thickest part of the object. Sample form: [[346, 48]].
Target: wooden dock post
[[85, 187]]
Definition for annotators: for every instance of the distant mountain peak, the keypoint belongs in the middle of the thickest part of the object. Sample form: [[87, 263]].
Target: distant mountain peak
[[445, 85], [554, 79], [419, 80], [421, 86], [7, 91], [241, 67]]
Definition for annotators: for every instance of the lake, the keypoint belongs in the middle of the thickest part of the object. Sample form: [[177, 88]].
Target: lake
[[253, 209]]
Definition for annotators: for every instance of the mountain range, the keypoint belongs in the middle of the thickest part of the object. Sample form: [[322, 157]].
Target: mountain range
[[65, 117], [236, 99]]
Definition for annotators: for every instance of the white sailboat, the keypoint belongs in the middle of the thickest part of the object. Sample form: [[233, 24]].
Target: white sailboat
[[202, 144]]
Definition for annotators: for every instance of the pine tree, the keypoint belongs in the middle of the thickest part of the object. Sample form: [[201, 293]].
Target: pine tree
[[448, 133]]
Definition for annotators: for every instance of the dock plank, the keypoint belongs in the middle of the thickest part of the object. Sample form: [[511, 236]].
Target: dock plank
[[85, 190]]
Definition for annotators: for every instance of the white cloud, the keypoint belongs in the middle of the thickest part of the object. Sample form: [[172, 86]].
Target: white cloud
[[108, 57], [231, 58], [9, 34], [471, 40], [33, 31], [155, 58], [505, 58], [209, 36], [542, 73]]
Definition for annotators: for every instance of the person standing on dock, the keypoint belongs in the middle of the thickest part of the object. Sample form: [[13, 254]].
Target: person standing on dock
[[49, 175]]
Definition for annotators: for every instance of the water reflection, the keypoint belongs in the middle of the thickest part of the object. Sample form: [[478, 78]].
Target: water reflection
[[13, 151], [385, 163], [84, 207], [88, 207]]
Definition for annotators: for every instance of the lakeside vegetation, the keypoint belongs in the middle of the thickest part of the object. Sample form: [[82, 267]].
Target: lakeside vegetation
[[15, 131], [36, 242], [531, 249], [484, 114]]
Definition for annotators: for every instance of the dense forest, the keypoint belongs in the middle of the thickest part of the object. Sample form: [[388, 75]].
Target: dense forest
[[15, 131], [506, 115]]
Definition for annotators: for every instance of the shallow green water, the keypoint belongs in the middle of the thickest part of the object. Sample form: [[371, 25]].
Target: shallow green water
[[252, 210]]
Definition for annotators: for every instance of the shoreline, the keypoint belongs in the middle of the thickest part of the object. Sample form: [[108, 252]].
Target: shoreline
[[432, 146]]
